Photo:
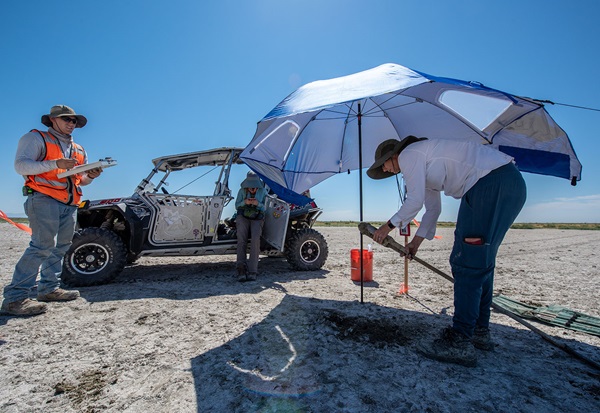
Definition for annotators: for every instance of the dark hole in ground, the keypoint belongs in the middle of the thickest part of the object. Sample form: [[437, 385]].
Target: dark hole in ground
[[378, 332]]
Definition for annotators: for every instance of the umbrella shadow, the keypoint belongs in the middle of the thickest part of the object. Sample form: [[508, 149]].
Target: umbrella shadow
[[325, 355]]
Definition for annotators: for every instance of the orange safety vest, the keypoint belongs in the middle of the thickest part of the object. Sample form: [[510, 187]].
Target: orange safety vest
[[65, 190]]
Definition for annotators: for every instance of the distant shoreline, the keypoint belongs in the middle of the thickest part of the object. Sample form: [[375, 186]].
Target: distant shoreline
[[520, 225]]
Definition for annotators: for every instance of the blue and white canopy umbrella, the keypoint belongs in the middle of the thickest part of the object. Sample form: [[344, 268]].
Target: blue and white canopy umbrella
[[327, 127], [314, 132]]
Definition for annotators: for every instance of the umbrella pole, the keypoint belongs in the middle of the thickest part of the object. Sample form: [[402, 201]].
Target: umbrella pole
[[360, 184]]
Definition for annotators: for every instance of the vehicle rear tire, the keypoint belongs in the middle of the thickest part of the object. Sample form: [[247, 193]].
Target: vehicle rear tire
[[96, 257], [306, 250]]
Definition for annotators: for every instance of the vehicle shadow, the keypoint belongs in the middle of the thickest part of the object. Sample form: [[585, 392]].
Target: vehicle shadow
[[192, 279]]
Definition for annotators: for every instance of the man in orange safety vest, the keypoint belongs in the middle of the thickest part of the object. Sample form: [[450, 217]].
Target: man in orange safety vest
[[51, 207]]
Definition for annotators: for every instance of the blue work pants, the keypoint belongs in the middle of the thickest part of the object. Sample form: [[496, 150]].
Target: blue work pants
[[52, 224], [486, 213]]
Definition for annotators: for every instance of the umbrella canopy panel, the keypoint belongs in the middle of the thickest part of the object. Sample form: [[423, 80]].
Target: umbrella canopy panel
[[313, 133]]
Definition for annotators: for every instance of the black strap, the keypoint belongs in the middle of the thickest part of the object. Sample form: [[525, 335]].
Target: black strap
[[45, 146]]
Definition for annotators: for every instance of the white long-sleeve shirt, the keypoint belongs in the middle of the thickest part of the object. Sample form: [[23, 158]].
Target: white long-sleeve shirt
[[432, 166]]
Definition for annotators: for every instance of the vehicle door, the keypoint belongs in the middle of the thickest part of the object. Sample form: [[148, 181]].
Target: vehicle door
[[180, 218], [277, 215]]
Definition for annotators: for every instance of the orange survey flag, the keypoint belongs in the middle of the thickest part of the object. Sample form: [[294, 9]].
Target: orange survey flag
[[16, 224], [435, 236]]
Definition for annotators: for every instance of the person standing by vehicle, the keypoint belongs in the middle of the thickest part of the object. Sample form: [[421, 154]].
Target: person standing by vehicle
[[51, 207], [492, 193], [250, 208]]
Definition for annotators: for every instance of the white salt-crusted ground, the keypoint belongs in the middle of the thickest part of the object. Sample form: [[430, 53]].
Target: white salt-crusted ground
[[182, 335]]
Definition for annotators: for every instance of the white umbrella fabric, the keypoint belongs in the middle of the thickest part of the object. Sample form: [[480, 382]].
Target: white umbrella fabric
[[314, 132]]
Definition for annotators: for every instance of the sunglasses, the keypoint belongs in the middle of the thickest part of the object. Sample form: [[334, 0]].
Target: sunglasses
[[72, 120]]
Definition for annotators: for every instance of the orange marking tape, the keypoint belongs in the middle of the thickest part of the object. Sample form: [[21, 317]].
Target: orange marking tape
[[435, 236], [16, 224]]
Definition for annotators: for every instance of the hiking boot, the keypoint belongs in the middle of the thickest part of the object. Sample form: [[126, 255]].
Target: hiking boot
[[59, 295], [251, 276], [451, 347], [25, 307], [482, 339]]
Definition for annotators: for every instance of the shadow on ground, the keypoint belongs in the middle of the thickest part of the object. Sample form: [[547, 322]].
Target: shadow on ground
[[312, 355], [185, 281]]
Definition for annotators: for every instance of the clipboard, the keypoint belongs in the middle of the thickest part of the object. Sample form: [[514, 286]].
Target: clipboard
[[102, 163]]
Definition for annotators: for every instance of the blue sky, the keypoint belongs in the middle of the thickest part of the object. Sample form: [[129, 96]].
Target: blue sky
[[157, 78]]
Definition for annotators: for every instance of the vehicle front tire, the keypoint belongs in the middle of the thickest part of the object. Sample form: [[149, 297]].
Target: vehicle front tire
[[306, 250], [96, 257]]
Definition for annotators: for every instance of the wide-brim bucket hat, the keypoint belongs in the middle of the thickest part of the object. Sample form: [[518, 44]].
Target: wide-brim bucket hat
[[58, 111], [385, 150], [252, 181]]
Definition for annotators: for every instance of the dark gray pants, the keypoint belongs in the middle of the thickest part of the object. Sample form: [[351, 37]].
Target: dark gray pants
[[247, 228]]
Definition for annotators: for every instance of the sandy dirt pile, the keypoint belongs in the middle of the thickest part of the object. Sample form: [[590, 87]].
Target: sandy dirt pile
[[182, 335]]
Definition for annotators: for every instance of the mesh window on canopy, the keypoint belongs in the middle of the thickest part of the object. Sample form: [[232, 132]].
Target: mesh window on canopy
[[478, 110]]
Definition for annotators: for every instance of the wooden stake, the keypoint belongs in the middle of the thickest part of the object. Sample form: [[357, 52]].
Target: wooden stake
[[406, 264], [404, 287]]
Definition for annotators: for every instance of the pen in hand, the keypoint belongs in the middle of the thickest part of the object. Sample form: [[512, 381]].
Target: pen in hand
[[66, 163]]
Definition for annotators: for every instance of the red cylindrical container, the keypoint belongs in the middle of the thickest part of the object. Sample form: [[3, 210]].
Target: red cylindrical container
[[367, 257]]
